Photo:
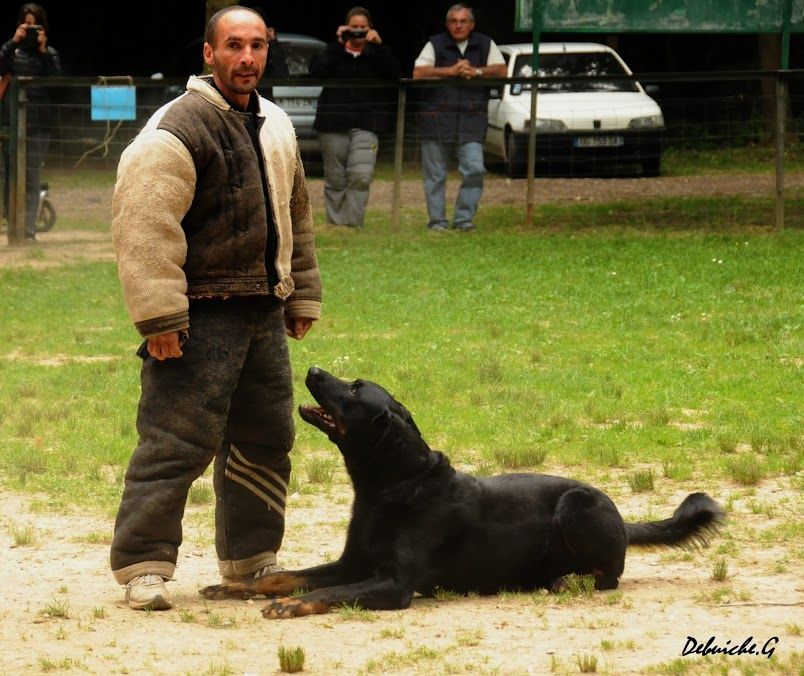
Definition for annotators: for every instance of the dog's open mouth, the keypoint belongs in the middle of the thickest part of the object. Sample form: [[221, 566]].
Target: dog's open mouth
[[320, 417]]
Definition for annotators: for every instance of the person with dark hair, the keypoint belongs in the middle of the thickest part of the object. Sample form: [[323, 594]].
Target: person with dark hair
[[213, 231], [277, 66], [349, 120], [454, 119], [28, 53], [277, 59]]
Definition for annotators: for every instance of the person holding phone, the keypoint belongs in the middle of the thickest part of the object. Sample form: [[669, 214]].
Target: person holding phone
[[28, 53], [349, 120]]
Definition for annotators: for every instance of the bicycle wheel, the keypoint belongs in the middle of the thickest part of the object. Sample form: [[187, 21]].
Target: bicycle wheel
[[46, 218]]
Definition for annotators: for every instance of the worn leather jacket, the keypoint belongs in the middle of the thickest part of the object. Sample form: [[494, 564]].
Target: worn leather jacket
[[189, 212]]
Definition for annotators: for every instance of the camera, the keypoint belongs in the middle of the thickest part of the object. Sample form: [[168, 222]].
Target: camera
[[353, 35], [32, 36]]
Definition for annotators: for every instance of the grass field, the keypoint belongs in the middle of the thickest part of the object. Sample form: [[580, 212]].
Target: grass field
[[610, 347], [651, 347]]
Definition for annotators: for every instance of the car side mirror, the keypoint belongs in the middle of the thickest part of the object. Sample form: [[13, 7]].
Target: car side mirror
[[494, 93], [516, 89], [651, 89]]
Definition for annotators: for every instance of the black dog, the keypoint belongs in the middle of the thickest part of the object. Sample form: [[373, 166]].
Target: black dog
[[418, 524]]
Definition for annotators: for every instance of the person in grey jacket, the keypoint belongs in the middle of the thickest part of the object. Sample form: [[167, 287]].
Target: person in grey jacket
[[213, 233], [28, 53]]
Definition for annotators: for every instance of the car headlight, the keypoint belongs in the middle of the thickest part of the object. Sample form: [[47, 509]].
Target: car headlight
[[546, 125], [647, 122]]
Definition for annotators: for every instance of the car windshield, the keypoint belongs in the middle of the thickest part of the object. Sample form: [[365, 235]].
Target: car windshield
[[591, 64], [298, 57]]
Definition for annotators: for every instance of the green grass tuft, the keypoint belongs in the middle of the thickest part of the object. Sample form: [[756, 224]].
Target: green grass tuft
[[291, 660], [641, 481]]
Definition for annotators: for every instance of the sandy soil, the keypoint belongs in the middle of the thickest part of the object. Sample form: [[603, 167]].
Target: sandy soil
[[62, 611]]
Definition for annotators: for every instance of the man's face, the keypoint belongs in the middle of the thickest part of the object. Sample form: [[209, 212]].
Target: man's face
[[460, 24], [239, 54]]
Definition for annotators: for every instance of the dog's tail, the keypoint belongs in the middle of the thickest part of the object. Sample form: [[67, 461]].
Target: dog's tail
[[693, 522]]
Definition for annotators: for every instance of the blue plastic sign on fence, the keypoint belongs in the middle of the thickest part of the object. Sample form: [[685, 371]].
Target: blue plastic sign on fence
[[114, 103]]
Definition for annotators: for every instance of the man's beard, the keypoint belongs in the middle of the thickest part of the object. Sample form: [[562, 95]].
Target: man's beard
[[236, 85]]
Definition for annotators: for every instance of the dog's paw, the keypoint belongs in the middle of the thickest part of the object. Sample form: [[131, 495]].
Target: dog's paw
[[230, 590], [287, 607]]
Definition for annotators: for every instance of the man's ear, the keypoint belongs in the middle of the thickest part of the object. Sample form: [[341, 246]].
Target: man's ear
[[207, 54]]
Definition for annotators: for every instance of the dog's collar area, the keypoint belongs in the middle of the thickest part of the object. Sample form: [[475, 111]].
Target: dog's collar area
[[404, 488]]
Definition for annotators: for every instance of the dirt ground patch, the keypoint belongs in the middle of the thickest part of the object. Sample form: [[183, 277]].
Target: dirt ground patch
[[59, 246], [63, 611]]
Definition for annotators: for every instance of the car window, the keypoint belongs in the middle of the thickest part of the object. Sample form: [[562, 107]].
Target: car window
[[591, 64], [299, 56]]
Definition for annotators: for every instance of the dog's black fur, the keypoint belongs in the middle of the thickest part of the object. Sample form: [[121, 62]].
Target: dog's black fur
[[418, 524]]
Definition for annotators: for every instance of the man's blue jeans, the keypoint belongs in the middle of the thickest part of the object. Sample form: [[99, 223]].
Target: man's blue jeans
[[434, 167]]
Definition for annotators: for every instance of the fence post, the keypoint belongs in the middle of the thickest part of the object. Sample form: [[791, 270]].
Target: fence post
[[781, 118], [531, 153], [18, 100], [399, 150]]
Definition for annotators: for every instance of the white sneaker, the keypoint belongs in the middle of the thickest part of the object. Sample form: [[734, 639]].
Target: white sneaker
[[147, 592], [262, 572]]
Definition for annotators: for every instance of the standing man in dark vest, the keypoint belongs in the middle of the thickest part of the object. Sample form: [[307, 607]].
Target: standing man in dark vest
[[454, 119]]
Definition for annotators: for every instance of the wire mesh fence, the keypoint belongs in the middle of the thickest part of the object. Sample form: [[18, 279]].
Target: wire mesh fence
[[726, 150]]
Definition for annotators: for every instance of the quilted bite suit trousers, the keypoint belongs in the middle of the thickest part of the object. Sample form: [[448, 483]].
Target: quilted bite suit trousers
[[228, 399]]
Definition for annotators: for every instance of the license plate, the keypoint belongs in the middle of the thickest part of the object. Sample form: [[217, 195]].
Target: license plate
[[598, 141], [299, 104]]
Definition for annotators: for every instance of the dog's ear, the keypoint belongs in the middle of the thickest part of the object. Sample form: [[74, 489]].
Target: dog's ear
[[408, 418], [396, 413], [399, 410]]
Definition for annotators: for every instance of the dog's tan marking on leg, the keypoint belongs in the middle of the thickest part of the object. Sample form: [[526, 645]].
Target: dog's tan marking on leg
[[287, 607], [269, 585]]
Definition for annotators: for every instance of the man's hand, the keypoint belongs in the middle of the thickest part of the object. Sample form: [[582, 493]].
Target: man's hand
[[165, 346], [464, 69], [297, 327]]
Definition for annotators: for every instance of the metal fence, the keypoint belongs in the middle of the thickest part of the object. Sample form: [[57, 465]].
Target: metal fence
[[701, 110]]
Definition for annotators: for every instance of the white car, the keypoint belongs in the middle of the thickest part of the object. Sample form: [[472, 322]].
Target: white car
[[589, 125]]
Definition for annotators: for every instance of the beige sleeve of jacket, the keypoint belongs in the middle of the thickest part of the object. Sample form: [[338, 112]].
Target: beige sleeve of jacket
[[155, 186], [305, 301]]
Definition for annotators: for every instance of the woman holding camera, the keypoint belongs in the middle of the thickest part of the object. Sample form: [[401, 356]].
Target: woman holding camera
[[350, 119], [28, 53]]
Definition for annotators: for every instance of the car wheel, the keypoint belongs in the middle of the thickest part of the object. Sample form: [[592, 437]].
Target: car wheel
[[651, 166], [515, 157]]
